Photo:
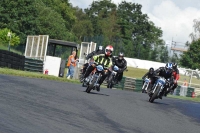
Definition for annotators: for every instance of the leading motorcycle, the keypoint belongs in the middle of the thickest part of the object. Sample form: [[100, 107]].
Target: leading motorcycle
[[94, 79]]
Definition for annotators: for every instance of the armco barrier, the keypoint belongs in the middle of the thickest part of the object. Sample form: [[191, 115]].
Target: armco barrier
[[33, 65], [11, 60]]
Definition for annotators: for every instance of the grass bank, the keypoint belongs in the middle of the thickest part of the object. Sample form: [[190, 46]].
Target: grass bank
[[8, 71], [196, 99]]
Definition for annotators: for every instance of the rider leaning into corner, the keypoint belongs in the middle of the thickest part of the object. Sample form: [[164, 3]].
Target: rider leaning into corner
[[166, 72], [99, 50], [149, 75], [121, 63], [103, 59], [175, 76]]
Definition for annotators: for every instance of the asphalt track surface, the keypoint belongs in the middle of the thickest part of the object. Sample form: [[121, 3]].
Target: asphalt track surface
[[29, 105]]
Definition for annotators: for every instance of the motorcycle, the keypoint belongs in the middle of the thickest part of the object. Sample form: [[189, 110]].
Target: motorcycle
[[145, 87], [112, 78], [158, 87], [94, 79]]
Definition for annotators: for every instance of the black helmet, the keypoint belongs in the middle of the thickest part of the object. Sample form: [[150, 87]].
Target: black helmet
[[99, 48], [174, 65], [120, 56], [151, 70]]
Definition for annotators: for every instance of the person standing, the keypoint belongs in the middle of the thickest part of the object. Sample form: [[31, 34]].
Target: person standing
[[71, 64], [185, 83]]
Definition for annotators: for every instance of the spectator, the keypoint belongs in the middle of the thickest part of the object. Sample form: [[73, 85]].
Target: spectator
[[71, 65], [185, 83]]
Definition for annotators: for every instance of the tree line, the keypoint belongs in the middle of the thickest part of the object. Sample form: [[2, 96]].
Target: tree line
[[123, 26]]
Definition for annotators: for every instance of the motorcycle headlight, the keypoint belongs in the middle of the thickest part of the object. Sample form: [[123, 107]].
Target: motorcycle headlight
[[116, 68], [100, 68], [147, 80]]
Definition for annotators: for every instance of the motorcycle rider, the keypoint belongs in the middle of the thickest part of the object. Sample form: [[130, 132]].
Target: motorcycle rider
[[176, 77], [165, 72], [103, 59], [149, 75], [121, 63], [98, 51]]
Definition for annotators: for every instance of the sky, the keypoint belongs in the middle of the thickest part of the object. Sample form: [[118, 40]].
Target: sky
[[174, 17]]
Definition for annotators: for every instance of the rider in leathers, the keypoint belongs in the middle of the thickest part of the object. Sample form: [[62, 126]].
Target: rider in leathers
[[175, 76], [98, 51], [165, 72], [122, 65], [103, 59], [149, 75]]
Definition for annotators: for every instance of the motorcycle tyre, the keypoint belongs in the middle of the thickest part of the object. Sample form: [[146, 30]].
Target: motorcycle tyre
[[90, 87], [110, 85], [143, 90], [155, 95]]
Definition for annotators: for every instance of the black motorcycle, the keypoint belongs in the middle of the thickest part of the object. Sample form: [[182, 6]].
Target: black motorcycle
[[113, 77], [158, 87], [94, 79]]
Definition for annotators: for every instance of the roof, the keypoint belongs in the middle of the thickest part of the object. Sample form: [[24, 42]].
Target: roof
[[63, 43]]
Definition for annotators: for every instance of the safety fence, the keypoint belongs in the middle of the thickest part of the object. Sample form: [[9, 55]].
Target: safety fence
[[134, 84], [33, 65], [11, 60], [19, 62]]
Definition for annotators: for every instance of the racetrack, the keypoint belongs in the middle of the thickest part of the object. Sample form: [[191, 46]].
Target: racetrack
[[30, 105]]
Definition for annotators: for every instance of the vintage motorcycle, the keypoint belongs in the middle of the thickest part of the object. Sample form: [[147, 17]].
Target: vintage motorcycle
[[157, 88], [113, 77], [145, 87], [94, 78]]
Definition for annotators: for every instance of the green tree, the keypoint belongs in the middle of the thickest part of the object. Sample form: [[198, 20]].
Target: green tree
[[19, 16], [175, 58], [137, 32], [83, 25], [99, 10], [64, 9], [191, 58], [196, 34], [4, 38], [164, 57]]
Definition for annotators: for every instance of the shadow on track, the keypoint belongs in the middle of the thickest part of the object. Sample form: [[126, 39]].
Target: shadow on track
[[158, 103], [97, 93]]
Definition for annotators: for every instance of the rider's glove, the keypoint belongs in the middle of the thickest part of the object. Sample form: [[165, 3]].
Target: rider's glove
[[175, 81]]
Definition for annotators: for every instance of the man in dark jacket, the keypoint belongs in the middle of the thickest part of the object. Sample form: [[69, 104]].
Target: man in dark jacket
[[121, 63], [175, 78], [149, 75], [167, 73]]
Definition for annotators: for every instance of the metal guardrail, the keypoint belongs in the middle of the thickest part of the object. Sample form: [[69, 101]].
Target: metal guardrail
[[33, 65], [11, 60]]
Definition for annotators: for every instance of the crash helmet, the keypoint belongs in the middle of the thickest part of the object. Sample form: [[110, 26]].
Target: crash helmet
[[108, 50]]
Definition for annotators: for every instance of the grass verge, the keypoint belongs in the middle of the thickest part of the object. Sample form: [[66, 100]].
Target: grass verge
[[8, 71], [196, 99]]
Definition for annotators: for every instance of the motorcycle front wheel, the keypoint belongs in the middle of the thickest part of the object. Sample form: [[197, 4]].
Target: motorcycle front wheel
[[90, 87], [155, 95]]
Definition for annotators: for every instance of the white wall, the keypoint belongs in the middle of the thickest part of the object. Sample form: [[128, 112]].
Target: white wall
[[145, 64], [52, 64]]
